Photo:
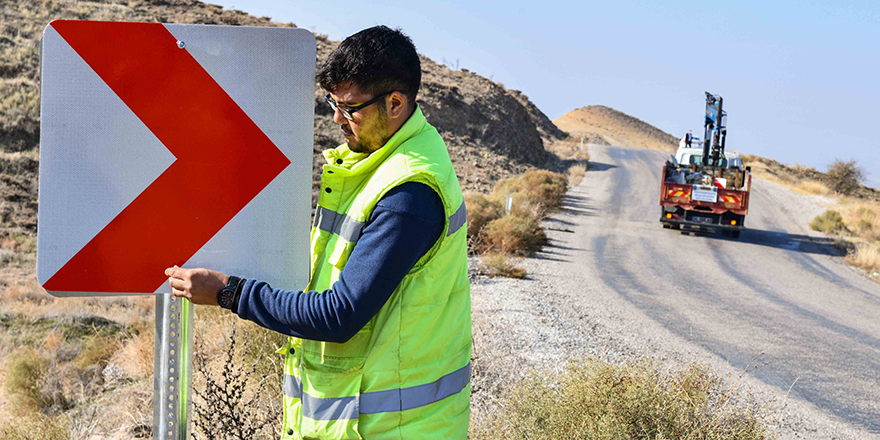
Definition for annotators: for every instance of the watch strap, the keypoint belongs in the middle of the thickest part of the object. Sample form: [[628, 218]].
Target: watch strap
[[226, 294], [237, 295]]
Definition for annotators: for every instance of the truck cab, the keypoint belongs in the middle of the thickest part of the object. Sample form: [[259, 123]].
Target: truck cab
[[686, 157]]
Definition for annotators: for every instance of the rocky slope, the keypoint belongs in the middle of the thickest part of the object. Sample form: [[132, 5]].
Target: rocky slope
[[614, 127]]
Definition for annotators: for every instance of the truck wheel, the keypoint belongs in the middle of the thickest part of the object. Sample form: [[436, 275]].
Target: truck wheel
[[666, 225], [734, 234]]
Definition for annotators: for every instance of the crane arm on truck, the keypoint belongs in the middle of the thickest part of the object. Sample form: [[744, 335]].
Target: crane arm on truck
[[706, 188]]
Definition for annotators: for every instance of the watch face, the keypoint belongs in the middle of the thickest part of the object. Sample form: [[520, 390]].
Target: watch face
[[224, 298]]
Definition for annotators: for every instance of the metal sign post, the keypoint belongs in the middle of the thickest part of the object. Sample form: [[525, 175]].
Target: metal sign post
[[172, 368]]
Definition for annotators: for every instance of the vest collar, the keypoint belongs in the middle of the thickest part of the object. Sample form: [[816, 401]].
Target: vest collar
[[361, 163]]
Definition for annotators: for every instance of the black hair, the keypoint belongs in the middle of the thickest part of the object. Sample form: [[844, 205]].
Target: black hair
[[377, 60]]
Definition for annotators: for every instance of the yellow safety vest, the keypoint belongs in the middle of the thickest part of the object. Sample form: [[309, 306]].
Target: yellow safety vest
[[406, 374]]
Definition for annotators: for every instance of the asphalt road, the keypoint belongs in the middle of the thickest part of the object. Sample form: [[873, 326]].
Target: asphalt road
[[779, 289]]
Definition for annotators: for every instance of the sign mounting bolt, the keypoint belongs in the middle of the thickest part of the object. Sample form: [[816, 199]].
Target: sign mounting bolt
[[180, 44]]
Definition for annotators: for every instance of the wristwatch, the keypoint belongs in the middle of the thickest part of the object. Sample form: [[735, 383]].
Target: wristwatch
[[226, 295]]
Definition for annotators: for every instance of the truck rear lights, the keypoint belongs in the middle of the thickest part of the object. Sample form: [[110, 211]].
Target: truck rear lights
[[733, 223], [669, 215]]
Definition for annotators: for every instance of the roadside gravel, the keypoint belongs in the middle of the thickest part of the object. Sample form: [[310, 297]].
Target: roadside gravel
[[533, 325]]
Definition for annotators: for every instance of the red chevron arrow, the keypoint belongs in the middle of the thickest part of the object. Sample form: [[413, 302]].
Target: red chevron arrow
[[223, 159]]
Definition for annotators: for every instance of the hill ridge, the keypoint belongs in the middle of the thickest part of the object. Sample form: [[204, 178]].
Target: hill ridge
[[615, 128]]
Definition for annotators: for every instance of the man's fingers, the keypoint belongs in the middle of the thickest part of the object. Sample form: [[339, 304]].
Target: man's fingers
[[179, 293], [175, 272], [178, 284]]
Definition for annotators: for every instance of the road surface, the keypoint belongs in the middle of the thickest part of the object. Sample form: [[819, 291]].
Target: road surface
[[779, 289]]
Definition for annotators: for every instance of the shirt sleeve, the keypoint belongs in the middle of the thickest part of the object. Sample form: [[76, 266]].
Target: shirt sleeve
[[403, 226]]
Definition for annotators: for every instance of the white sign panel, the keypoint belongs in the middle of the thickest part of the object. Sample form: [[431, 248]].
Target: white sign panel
[[173, 144], [704, 194]]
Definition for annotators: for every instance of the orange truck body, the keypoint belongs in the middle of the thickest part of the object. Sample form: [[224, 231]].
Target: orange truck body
[[698, 207]]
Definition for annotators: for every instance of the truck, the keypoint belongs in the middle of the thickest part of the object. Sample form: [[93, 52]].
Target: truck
[[705, 188]]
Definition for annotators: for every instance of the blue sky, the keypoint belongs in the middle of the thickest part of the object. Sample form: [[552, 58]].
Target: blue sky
[[799, 79]]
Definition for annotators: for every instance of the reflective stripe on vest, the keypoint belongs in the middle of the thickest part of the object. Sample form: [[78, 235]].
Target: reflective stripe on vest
[[456, 221], [375, 402], [339, 224], [350, 229]]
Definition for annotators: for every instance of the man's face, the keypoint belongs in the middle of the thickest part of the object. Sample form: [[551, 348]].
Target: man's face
[[369, 130]]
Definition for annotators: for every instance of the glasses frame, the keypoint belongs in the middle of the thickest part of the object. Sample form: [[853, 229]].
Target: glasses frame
[[347, 111]]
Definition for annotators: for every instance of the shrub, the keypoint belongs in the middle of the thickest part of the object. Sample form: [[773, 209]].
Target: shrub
[[232, 400], [481, 210], [527, 204], [97, 350], [498, 264], [25, 370], [513, 234], [829, 222], [866, 256], [547, 186], [597, 400], [845, 177], [35, 426], [576, 174]]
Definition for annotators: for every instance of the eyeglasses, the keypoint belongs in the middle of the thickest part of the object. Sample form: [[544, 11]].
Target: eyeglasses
[[348, 112]]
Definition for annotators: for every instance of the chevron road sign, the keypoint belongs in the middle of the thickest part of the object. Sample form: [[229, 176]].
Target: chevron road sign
[[173, 144]]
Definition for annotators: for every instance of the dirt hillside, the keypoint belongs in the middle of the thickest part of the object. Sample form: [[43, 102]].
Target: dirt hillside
[[597, 122]]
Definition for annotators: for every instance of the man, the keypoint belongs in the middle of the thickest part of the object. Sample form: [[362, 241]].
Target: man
[[688, 138], [380, 340]]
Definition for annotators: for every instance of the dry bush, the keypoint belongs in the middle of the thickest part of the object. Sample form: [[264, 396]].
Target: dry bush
[[527, 205], [35, 426], [845, 176], [814, 187], [576, 174], [829, 222], [866, 256], [481, 210], [25, 372], [28, 292], [135, 357], [597, 400], [547, 186], [97, 351], [513, 234], [234, 396], [867, 223], [570, 149], [497, 264]]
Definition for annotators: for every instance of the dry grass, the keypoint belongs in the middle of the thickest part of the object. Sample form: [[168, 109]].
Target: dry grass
[[598, 400], [25, 372], [859, 221], [35, 426], [576, 174], [855, 219], [829, 222], [513, 235], [481, 209], [492, 230], [499, 264], [570, 149], [801, 179], [866, 256]]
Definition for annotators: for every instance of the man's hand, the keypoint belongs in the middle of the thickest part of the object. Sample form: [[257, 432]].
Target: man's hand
[[198, 285]]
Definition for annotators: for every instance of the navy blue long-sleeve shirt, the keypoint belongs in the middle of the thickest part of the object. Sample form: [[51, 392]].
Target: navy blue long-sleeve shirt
[[403, 226]]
